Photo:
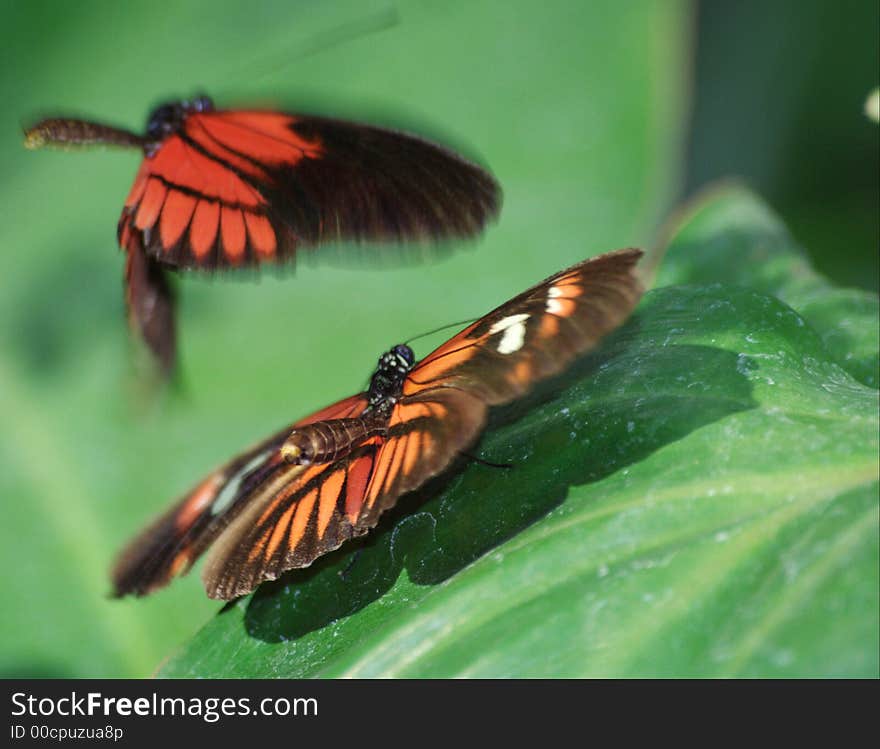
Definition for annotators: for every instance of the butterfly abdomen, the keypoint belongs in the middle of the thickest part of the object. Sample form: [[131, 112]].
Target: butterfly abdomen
[[69, 133], [331, 440]]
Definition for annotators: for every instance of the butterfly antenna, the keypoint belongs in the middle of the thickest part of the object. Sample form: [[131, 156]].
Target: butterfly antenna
[[263, 67], [441, 328]]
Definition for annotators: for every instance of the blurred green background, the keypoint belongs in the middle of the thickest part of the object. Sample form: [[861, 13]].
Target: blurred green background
[[597, 118]]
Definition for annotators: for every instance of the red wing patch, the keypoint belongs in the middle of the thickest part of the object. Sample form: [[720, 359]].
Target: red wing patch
[[239, 188], [202, 199]]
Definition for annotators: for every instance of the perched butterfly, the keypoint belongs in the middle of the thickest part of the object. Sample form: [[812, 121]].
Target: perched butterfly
[[327, 478], [234, 188]]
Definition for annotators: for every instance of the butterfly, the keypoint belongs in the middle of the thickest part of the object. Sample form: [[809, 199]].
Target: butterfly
[[327, 478], [241, 188]]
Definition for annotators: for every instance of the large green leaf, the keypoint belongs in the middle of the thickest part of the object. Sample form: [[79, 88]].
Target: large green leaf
[[585, 140], [697, 498], [727, 234]]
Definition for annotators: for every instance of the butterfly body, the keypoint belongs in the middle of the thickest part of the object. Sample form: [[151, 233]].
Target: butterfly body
[[236, 188], [168, 119], [330, 440]]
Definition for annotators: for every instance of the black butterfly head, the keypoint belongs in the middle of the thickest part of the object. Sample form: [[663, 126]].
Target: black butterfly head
[[404, 355], [168, 118], [386, 384], [200, 103]]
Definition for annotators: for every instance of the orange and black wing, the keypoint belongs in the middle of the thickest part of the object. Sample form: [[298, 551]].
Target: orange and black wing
[[294, 523], [237, 188], [494, 360], [536, 334], [442, 410], [170, 545]]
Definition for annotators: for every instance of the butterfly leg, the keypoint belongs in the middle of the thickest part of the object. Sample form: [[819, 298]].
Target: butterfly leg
[[486, 462], [151, 304], [343, 574]]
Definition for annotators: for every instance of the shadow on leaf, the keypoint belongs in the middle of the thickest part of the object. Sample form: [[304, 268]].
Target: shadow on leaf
[[613, 409]]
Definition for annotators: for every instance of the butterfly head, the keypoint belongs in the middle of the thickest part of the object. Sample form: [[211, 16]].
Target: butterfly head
[[386, 384], [168, 118], [404, 356]]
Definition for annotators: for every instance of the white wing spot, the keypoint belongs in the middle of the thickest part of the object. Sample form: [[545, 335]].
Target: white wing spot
[[553, 305], [514, 328], [505, 322], [232, 487]]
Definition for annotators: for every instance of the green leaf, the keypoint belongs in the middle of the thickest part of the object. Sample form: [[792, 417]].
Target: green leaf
[[588, 154], [697, 498], [727, 234]]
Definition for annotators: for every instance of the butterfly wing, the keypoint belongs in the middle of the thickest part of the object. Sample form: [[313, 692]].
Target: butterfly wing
[[443, 408], [496, 359], [536, 334], [332, 502], [150, 303], [170, 545], [236, 188], [292, 525]]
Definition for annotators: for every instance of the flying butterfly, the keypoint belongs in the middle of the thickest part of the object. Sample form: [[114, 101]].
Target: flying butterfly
[[240, 188], [327, 478]]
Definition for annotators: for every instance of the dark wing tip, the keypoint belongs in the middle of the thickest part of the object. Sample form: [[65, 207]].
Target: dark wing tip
[[618, 264], [150, 303], [141, 567], [376, 184]]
